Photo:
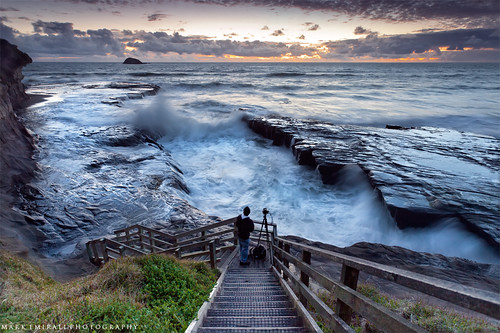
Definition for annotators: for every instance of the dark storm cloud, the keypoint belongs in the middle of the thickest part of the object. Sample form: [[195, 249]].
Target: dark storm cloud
[[156, 17], [60, 39], [53, 27], [403, 45], [10, 9], [479, 11]]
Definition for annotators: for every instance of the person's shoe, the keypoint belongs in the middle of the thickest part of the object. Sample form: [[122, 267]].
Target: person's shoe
[[244, 263]]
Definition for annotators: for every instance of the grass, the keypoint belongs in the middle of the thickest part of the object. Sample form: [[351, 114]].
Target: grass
[[432, 319], [153, 293]]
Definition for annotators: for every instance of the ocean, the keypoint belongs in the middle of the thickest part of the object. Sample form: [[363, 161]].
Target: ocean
[[225, 166]]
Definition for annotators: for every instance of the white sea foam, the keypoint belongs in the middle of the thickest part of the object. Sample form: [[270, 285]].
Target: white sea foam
[[227, 167]]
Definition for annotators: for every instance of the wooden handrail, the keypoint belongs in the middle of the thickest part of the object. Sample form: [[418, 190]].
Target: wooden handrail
[[474, 299], [205, 228], [373, 312]]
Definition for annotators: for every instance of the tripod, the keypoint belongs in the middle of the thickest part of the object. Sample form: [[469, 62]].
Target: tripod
[[265, 224]]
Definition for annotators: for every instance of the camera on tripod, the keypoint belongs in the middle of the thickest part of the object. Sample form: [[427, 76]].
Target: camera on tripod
[[265, 211]]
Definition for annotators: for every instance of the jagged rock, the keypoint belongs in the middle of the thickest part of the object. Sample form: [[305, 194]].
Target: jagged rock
[[132, 61], [422, 175]]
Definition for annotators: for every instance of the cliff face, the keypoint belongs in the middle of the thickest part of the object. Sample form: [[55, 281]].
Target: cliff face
[[16, 149], [16, 144]]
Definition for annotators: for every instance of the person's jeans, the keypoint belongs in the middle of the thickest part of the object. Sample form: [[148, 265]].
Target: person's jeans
[[244, 243]]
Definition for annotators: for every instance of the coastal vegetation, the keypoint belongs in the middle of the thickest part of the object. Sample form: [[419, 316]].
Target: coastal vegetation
[[153, 293], [431, 318]]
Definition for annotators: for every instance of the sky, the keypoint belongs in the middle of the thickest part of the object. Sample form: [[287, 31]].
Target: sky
[[254, 30]]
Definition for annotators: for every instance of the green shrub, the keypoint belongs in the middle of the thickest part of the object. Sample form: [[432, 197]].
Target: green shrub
[[155, 292]]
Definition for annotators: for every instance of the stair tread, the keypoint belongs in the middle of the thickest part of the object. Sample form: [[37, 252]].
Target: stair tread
[[282, 321], [269, 305]]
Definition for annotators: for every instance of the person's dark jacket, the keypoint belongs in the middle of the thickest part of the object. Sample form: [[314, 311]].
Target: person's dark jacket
[[245, 226]]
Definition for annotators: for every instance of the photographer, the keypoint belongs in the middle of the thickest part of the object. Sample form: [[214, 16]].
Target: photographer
[[245, 226]]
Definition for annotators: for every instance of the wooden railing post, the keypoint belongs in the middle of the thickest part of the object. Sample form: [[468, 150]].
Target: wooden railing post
[[178, 252], [285, 261], [348, 277], [122, 251], [141, 237], [213, 253], [151, 241], [203, 233], [104, 251], [235, 234], [304, 278], [279, 256], [89, 251]]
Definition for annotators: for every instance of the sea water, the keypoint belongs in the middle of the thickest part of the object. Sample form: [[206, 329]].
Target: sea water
[[227, 167]]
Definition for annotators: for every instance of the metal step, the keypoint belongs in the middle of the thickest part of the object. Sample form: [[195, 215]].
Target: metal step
[[249, 292], [237, 300], [289, 321], [256, 312], [249, 279], [246, 287], [249, 305], [252, 330]]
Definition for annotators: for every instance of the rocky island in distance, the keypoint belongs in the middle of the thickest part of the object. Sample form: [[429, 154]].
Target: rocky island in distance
[[132, 61]]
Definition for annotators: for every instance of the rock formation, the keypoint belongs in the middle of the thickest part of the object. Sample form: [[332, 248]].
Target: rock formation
[[132, 61], [16, 144], [422, 175]]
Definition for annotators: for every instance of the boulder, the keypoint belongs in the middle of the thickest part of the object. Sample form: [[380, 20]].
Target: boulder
[[132, 61]]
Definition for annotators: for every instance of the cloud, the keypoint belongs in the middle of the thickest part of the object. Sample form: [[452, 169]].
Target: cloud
[[465, 11], [265, 28], [156, 17], [301, 37], [277, 33], [375, 46], [10, 9], [54, 39], [311, 26], [51, 28]]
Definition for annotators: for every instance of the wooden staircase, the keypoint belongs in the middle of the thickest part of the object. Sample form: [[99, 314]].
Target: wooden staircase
[[275, 295], [251, 300]]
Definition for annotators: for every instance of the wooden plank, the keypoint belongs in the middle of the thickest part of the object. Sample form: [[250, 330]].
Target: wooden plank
[[378, 315], [126, 247], [333, 321], [110, 249], [309, 321], [474, 299], [205, 237], [158, 232], [204, 228]]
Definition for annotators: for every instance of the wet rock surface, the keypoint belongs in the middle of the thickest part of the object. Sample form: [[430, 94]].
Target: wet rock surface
[[129, 90], [94, 179], [423, 175]]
